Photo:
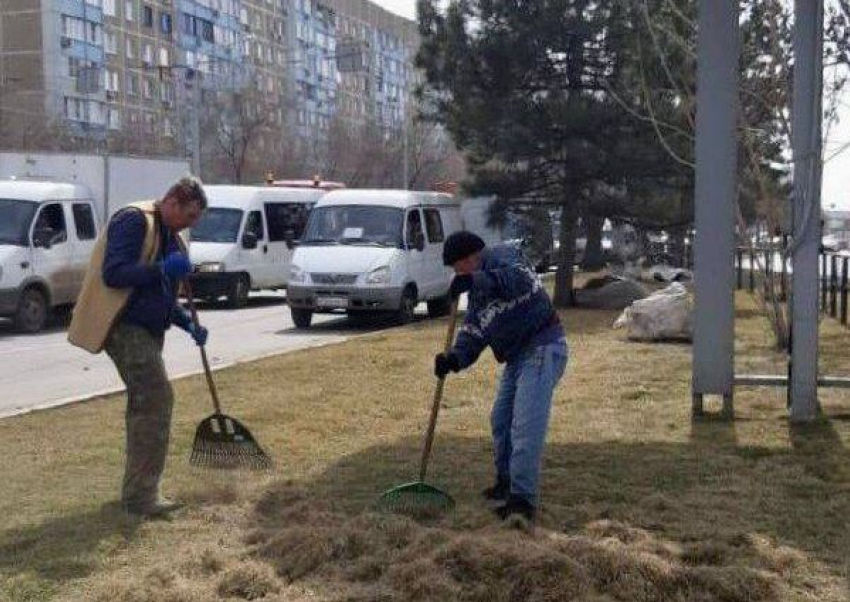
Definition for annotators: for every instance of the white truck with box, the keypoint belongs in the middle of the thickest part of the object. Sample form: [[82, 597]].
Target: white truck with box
[[52, 207]]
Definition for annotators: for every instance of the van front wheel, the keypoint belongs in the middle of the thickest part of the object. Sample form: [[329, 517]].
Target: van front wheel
[[407, 308], [301, 317], [32, 311], [237, 295]]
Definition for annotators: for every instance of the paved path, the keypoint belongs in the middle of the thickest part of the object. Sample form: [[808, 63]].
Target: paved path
[[43, 370]]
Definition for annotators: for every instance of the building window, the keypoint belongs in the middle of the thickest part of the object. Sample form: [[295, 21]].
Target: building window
[[165, 23], [74, 109], [147, 16], [130, 10], [147, 57], [132, 84], [207, 31], [73, 28], [110, 43], [166, 93], [113, 119], [164, 57], [187, 24], [110, 80], [94, 34], [109, 8], [131, 49], [147, 89]]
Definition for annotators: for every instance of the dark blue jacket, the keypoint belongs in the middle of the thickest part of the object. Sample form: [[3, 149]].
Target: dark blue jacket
[[508, 309], [153, 303]]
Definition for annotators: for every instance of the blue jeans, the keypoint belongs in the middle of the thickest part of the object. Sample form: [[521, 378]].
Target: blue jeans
[[520, 415]]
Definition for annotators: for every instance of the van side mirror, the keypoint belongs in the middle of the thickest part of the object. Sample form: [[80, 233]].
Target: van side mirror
[[249, 241]]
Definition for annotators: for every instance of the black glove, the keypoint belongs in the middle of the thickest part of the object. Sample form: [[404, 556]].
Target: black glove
[[445, 363], [461, 283]]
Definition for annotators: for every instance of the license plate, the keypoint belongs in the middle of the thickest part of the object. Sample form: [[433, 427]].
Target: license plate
[[332, 302]]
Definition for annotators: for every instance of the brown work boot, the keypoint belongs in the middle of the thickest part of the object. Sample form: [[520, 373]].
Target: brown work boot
[[158, 509]]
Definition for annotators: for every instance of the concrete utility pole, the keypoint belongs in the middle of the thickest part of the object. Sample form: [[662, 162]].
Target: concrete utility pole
[[716, 152], [806, 209]]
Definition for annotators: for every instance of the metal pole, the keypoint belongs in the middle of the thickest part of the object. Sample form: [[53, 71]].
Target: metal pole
[[806, 143], [844, 265], [714, 250], [406, 168], [740, 257], [833, 285], [752, 270], [196, 130]]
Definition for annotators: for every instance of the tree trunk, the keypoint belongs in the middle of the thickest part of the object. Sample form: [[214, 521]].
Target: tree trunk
[[566, 257], [593, 257]]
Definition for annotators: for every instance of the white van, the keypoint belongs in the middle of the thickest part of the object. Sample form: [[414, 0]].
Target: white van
[[246, 238], [369, 251], [47, 233]]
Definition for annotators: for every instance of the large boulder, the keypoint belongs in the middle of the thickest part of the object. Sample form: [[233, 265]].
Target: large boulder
[[610, 293], [666, 315]]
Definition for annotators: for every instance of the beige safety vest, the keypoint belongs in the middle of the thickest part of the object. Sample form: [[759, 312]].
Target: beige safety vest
[[98, 306]]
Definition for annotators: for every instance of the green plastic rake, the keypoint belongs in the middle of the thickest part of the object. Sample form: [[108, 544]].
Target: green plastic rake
[[419, 498]]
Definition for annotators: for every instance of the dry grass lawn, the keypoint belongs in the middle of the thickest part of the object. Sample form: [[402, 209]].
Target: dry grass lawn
[[640, 503]]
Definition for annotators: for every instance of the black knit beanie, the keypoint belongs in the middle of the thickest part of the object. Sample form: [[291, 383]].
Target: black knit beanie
[[461, 245]]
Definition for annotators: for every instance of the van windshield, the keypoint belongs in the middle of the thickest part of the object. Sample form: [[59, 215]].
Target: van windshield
[[218, 224], [15, 219], [355, 225]]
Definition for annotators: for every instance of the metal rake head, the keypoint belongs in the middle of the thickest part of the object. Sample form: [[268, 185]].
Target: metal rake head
[[222, 442], [416, 499]]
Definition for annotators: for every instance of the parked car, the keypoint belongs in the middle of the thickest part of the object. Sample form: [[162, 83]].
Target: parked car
[[47, 233], [246, 238], [373, 251]]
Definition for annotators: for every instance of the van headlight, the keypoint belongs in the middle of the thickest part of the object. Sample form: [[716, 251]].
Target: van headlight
[[297, 275], [379, 275], [211, 267]]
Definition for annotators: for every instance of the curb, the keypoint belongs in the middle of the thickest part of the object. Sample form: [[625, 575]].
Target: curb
[[246, 360]]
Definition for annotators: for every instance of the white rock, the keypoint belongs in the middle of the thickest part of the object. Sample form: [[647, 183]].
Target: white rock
[[665, 315]]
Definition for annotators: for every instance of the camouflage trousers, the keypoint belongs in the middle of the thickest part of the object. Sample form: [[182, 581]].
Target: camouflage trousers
[[138, 356]]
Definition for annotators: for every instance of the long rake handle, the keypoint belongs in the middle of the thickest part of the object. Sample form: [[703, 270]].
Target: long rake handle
[[438, 396], [204, 360]]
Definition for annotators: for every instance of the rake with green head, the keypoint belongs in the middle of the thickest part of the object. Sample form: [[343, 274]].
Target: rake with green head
[[418, 497], [222, 442]]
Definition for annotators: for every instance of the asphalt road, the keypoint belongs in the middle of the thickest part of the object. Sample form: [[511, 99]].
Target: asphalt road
[[44, 370]]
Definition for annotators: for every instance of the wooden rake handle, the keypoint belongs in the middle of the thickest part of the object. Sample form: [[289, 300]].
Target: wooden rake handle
[[438, 395], [207, 372]]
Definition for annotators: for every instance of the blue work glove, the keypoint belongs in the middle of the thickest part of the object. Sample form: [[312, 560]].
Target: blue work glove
[[199, 333], [461, 283], [176, 266], [445, 363]]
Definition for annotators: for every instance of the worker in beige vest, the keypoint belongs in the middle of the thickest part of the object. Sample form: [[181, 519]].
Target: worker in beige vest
[[128, 301]]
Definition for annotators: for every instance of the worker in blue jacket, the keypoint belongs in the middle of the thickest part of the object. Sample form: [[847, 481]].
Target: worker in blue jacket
[[510, 312], [136, 340]]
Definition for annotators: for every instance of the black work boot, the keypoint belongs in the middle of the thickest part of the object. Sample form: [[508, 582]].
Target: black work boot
[[498, 492], [516, 506]]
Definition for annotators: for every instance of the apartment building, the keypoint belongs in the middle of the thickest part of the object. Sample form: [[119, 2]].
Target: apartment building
[[145, 68]]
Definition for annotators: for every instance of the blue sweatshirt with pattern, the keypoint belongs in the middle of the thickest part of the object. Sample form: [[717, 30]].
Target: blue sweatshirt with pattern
[[509, 309]]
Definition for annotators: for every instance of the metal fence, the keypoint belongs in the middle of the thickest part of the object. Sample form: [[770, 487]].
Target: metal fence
[[769, 269]]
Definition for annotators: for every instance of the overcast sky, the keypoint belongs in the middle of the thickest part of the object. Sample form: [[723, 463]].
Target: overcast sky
[[405, 8], [836, 173]]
